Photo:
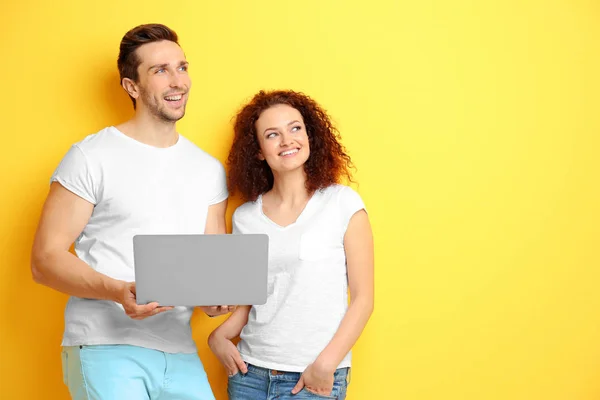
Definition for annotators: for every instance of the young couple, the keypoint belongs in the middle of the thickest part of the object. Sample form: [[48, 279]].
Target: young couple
[[142, 177]]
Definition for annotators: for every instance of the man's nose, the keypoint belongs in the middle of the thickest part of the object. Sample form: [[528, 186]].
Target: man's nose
[[176, 80]]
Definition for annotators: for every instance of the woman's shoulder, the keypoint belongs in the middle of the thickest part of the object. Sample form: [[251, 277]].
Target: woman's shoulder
[[247, 209], [344, 199], [340, 191]]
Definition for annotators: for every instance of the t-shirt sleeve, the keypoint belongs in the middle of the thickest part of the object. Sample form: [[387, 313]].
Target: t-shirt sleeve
[[350, 203], [241, 220], [220, 191], [74, 174], [235, 227]]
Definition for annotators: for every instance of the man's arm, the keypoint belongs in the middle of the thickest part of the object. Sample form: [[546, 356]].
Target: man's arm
[[215, 221], [63, 218]]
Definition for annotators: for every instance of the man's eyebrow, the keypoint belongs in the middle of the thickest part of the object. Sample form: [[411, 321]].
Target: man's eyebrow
[[158, 66]]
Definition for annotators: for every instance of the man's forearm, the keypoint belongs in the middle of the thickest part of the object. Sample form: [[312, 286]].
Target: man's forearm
[[63, 271]]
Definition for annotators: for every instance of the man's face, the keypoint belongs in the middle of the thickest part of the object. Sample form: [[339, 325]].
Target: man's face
[[163, 82]]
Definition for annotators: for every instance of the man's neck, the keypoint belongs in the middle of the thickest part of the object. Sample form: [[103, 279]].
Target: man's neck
[[150, 130]]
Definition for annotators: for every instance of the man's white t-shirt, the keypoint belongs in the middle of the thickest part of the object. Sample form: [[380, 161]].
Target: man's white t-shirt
[[307, 283], [136, 189]]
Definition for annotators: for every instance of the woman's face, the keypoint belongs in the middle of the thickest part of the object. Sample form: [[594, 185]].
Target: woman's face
[[282, 138]]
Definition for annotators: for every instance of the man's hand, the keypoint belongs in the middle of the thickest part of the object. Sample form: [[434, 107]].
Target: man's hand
[[315, 379], [227, 354], [213, 311], [126, 296]]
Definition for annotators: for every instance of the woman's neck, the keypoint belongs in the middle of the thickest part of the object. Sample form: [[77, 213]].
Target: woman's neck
[[289, 188]]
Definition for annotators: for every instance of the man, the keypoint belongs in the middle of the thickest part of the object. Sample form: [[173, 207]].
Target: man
[[140, 177]]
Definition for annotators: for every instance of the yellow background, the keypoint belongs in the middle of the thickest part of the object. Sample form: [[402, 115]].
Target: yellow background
[[474, 127]]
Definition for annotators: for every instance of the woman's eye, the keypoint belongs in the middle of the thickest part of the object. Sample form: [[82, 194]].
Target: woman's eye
[[296, 128]]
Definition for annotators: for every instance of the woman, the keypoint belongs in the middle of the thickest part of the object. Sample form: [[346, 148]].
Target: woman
[[286, 162]]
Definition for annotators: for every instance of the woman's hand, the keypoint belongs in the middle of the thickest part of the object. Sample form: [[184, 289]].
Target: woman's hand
[[316, 379], [227, 353]]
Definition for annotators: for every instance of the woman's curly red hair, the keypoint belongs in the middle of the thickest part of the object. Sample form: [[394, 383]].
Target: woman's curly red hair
[[327, 164]]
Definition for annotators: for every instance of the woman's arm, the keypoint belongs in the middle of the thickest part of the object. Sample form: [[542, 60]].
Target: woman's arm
[[221, 345], [358, 244]]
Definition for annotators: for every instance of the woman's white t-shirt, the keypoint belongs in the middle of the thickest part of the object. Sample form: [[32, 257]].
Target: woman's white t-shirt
[[307, 283]]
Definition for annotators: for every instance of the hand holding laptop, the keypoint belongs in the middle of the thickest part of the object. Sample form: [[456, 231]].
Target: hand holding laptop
[[127, 298], [213, 311]]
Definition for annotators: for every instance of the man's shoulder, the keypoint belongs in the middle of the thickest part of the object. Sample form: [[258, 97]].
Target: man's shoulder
[[95, 141], [196, 153]]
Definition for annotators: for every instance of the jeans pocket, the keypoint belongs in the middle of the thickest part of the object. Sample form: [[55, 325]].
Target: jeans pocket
[[234, 376], [312, 395]]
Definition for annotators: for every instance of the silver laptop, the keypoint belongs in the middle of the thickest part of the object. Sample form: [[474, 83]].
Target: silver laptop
[[201, 270]]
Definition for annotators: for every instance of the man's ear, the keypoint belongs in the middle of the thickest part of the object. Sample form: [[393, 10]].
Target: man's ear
[[130, 87]]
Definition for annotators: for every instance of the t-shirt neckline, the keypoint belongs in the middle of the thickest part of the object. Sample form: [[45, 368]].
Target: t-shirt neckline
[[148, 146], [301, 216]]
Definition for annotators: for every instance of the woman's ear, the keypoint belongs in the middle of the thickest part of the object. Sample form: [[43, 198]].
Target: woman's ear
[[260, 156]]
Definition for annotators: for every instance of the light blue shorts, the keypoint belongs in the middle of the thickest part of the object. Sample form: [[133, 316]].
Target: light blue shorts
[[115, 372]]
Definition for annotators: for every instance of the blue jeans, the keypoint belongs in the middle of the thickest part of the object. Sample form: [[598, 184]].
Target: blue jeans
[[123, 372], [266, 384]]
